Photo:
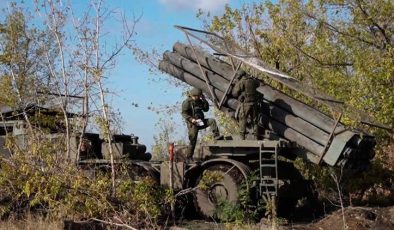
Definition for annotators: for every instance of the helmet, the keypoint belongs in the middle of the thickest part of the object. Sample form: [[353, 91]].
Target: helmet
[[195, 92]]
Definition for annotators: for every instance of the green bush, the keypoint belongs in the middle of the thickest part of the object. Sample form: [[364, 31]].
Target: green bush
[[229, 212], [40, 181]]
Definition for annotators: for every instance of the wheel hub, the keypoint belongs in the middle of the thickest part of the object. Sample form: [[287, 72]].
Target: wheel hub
[[217, 192]]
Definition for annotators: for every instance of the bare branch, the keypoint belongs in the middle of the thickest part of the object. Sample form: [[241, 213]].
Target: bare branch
[[320, 62], [369, 18], [110, 223], [129, 35], [336, 30]]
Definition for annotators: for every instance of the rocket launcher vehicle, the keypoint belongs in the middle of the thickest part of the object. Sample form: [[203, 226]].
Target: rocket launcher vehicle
[[318, 137]]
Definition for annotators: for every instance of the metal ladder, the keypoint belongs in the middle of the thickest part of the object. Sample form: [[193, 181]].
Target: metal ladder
[[268, 171]]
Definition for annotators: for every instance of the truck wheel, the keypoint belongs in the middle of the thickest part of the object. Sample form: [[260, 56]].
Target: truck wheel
[[224, 187]]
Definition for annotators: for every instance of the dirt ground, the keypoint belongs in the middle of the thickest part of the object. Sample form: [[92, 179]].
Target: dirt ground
[[354, 218], [377, 218]]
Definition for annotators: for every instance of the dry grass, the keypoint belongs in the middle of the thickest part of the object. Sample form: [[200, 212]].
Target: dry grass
[[30, 224], [388, 153]]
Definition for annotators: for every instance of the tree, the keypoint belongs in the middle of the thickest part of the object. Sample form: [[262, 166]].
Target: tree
[[49, 60], [23, 74], [344, 48], [86, 62]]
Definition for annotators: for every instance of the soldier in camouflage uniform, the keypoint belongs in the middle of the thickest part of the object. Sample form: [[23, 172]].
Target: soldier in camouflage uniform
[[245, 91], [193, 109]]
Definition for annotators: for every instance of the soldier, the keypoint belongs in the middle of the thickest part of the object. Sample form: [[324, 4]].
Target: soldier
[[193, 109], [245, 91]]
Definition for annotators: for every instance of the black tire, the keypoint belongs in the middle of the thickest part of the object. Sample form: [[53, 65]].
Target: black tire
[[226, 189]]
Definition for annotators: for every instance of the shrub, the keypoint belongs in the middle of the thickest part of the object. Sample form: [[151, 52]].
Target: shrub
[[40, 181]]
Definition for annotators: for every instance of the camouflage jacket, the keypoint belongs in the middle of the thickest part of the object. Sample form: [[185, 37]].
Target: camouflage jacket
[[194, 108], [245, 89]]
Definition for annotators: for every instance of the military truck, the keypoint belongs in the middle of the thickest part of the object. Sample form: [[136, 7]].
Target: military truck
[[291, 129], [94, 150]]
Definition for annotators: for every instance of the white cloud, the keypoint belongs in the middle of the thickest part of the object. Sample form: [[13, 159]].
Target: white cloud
[[205, 5]]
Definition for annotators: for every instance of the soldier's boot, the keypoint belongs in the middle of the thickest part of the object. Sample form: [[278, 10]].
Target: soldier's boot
[[189, 159], [264, 134], [242, 135], [189, 154], [215, 130], [217, 136]]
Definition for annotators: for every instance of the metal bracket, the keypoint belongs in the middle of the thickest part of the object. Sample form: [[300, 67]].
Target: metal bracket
[[229, 85], [220, 45], [332, 134], [209, 85]]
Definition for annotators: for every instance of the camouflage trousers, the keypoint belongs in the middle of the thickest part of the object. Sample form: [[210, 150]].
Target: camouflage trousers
[[247, 111], [193, 133]]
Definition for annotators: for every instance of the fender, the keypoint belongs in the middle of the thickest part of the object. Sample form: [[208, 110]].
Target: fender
[[193, 172], [244, 169]]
